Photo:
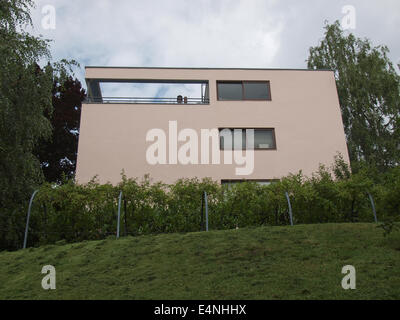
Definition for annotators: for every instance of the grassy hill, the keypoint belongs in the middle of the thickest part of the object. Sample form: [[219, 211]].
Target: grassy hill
[[300, 262]]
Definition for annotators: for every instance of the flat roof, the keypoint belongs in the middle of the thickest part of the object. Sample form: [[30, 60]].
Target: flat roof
[[205, 68]]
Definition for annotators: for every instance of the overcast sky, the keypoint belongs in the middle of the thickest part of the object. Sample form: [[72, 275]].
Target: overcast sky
[[208, 33]]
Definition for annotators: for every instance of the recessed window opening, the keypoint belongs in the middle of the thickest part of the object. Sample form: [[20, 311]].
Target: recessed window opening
[[247, 139], [262, 182], [243, 90], [149, 91]]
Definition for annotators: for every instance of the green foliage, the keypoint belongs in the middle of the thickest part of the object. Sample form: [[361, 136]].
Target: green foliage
[[58, 155], [75, 212], [368, 88], [25, 101], [25, 95]]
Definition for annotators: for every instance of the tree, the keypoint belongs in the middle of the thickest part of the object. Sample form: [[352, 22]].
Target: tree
[[58, 155], [369, 94], [25, 100], [25, 95]]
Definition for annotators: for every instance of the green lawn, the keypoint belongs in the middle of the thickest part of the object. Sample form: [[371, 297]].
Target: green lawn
[[300, 262]]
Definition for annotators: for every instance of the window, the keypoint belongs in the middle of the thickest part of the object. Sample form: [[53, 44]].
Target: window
[[245, 139], [264, 139], [230, 91], [243, 90], [256, 90], [265, 182]]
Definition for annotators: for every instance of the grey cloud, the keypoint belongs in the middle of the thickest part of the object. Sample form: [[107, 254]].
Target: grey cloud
[[219, 33]]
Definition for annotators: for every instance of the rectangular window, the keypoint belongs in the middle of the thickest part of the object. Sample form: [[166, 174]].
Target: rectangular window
[[230, 91], [261, 182], [245, 139], [264, 139], [243, 90]]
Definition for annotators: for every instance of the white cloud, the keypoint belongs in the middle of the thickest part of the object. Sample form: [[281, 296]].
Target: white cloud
[[206, 33]]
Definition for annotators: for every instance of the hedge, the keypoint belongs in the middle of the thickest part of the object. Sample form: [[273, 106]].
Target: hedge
[[74, 212]]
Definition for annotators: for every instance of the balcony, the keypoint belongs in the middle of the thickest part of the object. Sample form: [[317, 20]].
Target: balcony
[[174, 92], [143, 100]]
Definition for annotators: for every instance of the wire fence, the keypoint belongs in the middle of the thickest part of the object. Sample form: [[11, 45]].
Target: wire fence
[[74, 213], [204, 225]]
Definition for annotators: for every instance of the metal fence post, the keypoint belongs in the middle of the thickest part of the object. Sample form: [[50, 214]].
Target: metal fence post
[[373, 207], [27, 218], [202, 212], [125, 219], [119, 213], [206, 205], [290, 208]]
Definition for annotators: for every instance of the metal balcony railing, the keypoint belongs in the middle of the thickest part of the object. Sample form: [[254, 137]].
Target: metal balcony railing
[[143, 100]]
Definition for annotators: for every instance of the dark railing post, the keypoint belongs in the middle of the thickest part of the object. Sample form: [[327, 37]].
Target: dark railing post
[[373, 207], [119, 213], [125, 219], [27, 218], [202, 212], [206, 205], [290, 208]]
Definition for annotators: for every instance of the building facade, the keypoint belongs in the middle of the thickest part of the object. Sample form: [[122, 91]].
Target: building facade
[[226, 124]]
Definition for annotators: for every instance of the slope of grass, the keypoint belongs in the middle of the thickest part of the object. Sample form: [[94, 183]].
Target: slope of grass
[[300, 262]]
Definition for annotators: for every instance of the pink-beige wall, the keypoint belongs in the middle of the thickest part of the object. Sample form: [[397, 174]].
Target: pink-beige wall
[[304, 111]]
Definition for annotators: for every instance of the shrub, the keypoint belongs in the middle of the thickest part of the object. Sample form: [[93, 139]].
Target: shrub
[[73, 212]]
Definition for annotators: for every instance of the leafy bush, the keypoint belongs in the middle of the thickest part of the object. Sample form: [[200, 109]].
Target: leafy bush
[[73, 212]]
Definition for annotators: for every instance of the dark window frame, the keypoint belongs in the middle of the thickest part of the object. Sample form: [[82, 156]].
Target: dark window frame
[[233, 181], [274, 148], [243, 92]]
